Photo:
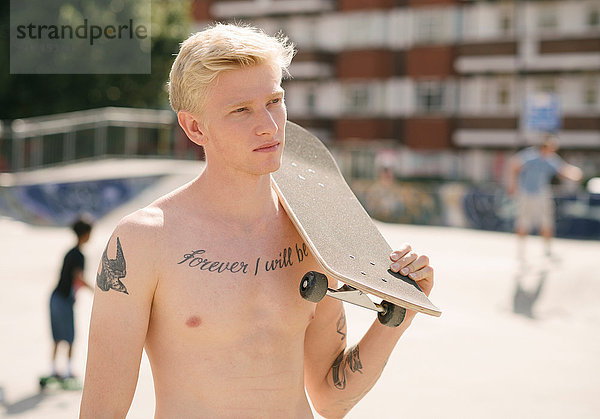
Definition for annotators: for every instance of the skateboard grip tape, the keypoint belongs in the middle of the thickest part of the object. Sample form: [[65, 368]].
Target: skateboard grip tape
[[405, 279]]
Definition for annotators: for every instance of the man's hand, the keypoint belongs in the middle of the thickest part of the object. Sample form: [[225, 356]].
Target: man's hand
[[416, 267], [571, 172]]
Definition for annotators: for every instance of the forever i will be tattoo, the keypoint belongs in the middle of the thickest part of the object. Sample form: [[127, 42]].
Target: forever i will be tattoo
[[199, 259]]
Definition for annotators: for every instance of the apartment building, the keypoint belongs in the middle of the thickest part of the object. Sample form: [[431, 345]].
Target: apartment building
[[448, 88]]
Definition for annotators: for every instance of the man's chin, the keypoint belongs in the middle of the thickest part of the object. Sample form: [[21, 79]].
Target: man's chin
[[266, 169], [272, 168]]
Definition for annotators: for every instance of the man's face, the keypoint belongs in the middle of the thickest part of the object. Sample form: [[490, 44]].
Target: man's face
[[549, 148], [244, 120]]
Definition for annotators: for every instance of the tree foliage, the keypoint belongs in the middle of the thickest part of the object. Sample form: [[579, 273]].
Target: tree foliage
[[25, 95]]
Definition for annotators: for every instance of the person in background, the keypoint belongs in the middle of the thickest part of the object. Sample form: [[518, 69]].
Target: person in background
[[530, 174], [63, 296]]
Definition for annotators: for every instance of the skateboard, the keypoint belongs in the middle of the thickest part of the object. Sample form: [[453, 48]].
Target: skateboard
[[340, 234], [57, 382]]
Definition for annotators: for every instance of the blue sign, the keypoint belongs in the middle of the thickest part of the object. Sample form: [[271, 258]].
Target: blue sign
[[542, 112]]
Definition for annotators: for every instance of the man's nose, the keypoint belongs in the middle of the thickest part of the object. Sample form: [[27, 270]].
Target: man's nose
[[266, 124]]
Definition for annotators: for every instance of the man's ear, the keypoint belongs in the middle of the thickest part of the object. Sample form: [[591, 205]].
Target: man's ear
[[191, 125]]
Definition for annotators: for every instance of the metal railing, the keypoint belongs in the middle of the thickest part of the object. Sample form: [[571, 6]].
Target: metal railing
[[31, 143]]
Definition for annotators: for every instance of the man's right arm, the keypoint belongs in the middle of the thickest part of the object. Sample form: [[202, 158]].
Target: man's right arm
[[125, 285]]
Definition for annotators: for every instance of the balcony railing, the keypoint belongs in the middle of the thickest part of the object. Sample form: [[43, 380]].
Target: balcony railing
[[41, 141]]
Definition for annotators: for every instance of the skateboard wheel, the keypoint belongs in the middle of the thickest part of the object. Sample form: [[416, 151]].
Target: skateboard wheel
[[313, 286], [392, 316]]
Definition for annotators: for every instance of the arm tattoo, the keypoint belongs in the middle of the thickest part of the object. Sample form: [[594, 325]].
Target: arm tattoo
[[341, 323], [112, 270], [351, 361]]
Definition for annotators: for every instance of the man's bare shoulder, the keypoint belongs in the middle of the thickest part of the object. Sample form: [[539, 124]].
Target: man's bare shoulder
[[139, 242], [149, 222], [142, 224]]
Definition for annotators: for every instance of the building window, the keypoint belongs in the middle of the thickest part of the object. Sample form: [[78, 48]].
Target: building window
[[593, 17], [430, 96], [507, 20], [503, 94], [546, 85], [362, 164], [591, 96], [590, 93], [311, 100], [357, 98], [548, 16], [485, 94], [429, 26], [365, 30]]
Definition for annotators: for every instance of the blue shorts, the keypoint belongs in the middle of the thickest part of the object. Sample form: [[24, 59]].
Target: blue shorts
[[61, 317]]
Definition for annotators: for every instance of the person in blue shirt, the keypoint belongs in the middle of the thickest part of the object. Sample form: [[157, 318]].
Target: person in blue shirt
[[531, 172]]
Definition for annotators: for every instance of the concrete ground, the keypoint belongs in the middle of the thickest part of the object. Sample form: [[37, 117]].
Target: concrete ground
[[518, 340]]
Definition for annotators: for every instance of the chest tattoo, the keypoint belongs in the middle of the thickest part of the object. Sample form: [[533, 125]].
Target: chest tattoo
[[200, 259]]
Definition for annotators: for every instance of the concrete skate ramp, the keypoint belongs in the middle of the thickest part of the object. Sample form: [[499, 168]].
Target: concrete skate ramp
[[518, 337], [57, 196]]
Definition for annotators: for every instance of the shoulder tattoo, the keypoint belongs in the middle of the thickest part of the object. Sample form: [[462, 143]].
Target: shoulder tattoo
[[112, 271]]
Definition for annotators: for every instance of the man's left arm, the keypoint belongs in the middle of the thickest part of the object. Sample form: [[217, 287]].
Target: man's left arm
[[571, 172], [337, 377], [79, 280], [564, 169]]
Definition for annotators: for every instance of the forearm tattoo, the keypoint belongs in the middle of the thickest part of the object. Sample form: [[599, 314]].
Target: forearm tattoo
[[344, 362], [341, 323], [112, 271]]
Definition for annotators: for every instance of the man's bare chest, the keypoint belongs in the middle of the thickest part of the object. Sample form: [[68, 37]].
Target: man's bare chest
[[211, 283]]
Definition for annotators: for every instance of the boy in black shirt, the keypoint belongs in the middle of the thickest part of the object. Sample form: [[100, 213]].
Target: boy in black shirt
[[63, 296]]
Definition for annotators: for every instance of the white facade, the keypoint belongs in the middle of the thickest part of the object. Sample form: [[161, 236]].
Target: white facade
[[529, 54]]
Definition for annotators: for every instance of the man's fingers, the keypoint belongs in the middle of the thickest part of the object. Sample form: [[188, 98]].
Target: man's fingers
[[404, 261], [414, 264], [416, 267], [401, 252], [421, 274], [421, 262], [424, 278]]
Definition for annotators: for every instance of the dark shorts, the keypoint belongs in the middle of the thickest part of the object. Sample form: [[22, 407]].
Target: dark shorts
[[61, 318]]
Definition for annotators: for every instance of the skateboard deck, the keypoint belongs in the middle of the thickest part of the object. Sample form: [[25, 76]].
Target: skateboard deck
[[336, 227], [54, 382]]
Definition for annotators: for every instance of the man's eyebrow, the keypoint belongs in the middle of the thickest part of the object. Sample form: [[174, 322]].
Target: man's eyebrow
[[239, 104], [276, 93]]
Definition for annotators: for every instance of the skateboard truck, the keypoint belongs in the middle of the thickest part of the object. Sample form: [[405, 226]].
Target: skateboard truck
[[314, 286]]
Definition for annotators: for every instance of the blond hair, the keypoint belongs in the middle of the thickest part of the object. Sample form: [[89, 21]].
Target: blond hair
[[204, 55]]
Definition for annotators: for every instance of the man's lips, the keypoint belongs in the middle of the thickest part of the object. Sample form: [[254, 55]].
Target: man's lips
[[269, 147]]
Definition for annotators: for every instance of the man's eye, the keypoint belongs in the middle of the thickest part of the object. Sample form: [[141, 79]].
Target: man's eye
[[240, 110]]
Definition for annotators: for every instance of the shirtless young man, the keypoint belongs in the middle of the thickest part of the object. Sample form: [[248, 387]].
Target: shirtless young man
[[190, 278]]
